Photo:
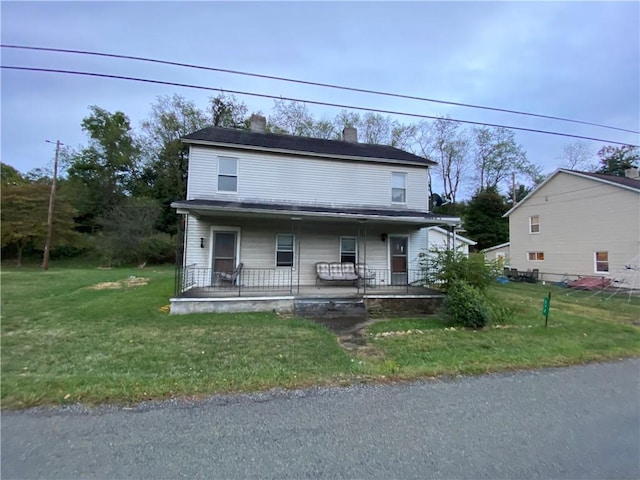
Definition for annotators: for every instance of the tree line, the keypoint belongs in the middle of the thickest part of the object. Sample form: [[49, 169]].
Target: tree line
[[115, 193]]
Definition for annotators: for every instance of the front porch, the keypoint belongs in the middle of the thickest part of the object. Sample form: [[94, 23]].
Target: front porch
[[257, 257], [198, 291]]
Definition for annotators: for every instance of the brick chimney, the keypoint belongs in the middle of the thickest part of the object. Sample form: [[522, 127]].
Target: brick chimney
[[632, 173], [350, 134], [257, 123]]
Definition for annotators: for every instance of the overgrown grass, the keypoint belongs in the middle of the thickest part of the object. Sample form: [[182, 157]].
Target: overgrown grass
[[64, 342]]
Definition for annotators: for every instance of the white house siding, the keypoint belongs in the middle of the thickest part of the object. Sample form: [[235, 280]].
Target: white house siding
[[315, 242], [439, 240], [578, 217], [493, 254], [296, 179]]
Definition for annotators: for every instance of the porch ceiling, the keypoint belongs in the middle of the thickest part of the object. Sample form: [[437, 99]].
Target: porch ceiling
[[218, 208]]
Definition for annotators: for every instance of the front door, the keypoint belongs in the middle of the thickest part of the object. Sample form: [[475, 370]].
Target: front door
[[224, 252], [399, 264]]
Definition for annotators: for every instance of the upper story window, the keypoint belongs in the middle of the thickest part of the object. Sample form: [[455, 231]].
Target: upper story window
[[534, 224], [284, 250], [535, 256], [227, 174], [602, 262], [399, 187], [348, 252]]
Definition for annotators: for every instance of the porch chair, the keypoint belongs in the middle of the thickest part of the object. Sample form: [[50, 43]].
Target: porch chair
[[365, 275], [231, 277], [532, 277], [514, 275]]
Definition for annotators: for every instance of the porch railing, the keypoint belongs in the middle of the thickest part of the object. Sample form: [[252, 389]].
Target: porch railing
[[192, 280]]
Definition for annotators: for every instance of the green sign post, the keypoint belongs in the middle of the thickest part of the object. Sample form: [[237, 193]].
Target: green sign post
[[545, 308]]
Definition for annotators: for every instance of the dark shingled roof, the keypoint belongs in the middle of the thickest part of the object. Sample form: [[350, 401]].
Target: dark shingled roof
[[626, 181], [318, 146]]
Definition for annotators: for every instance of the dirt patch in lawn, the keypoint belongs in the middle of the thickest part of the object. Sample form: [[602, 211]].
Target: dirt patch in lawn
[[126, 283]]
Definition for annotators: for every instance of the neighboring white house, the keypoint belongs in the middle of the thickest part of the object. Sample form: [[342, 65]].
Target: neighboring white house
[[442, 239], [279, 204], [497, 253], [578, 223]]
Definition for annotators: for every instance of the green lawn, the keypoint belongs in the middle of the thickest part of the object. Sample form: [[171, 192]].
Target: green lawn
[[66, 337]]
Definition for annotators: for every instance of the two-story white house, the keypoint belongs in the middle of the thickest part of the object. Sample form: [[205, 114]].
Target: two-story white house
[[579, 224], [263, 209]]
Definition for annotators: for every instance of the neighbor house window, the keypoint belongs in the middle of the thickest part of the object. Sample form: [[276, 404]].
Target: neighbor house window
[[284, 250], [534, 224], [348, 249], [602, 262], [399, 187], [227, 174], [536, 256]]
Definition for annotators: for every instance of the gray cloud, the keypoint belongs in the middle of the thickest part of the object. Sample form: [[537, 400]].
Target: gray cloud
[[578, 60]]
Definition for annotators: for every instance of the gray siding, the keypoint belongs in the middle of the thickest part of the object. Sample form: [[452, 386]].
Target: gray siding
[[578, 217], [296, 179]]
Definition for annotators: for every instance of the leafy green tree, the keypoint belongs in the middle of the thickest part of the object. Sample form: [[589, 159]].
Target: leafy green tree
[[23, 218], [10, 176], [294, 118], [375, 128], [521, 192], [163, 176], [102, 172], [227, 111], [129, 234], [615, 160], [483, 220], [498, 156]]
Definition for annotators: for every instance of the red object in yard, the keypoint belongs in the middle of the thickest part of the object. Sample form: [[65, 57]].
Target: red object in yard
[[590, 283]]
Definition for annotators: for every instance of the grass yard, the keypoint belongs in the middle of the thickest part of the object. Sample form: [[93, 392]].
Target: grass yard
[[582, 328], [80, 334]]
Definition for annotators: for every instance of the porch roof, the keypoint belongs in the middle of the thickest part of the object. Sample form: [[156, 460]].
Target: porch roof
[[203, 208]]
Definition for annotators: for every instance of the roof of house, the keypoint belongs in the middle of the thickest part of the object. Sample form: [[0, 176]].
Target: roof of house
[[458, 237], [622, 182], [407, 216], [247, 139], [496, 247]]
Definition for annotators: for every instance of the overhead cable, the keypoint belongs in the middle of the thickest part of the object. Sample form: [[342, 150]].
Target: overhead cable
[[313, 102], [317, 84]]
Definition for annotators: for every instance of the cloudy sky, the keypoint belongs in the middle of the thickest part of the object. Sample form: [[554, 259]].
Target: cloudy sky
[[567, 59]]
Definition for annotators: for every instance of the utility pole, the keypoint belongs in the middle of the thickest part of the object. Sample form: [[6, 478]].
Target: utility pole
[[52, 198], [513, 186]]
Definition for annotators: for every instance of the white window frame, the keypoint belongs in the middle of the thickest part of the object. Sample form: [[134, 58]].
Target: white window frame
[[293, 250], [536, 224], [355, 253], [226, 175], [596, 261], [402, 175], [536, 254]]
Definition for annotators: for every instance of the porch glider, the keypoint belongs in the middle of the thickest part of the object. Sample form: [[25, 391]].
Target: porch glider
[[336, 272]]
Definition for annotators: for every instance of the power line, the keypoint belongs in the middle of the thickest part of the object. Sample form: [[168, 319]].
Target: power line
[[313, 102], [317, 84]]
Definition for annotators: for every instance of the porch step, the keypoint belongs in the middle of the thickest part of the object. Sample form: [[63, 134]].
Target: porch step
[[335, 309]]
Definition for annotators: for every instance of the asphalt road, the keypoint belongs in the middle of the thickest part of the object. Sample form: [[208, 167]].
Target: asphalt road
[[577, 423]]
